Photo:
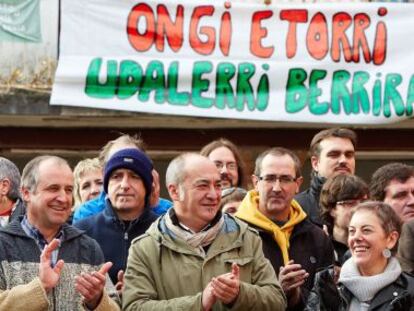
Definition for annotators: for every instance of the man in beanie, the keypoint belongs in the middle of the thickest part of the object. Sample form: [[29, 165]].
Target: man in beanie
[[127, 185], [96, 205]]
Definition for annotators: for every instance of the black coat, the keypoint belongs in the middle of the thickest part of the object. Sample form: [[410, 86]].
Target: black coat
[[309, 246], [327, 296], [309, 199], [113, 236], [20, 210]]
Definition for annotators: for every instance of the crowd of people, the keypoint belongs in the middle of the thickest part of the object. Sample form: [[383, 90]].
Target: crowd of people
[[101, 238]]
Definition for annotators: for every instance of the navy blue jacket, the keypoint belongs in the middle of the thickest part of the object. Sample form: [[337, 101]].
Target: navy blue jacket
[[113, 236]]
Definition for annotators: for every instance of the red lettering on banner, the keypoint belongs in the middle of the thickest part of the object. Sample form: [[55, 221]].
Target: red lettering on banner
[[340, 23], [380, 43], [202, 47], [141, 42], [225, 31], [361, 22], [257, 33], [293, 17], [167, 28], [317, 41]]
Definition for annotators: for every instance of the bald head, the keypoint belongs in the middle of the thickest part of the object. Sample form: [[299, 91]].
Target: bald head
[[179, 167], [193, 182]]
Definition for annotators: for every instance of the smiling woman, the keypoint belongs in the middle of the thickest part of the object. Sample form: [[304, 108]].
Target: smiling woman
[[88, 180], [372, 278]]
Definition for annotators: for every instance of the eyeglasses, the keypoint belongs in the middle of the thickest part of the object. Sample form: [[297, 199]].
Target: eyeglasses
[[231, 166], [349, 203], [226, 192], [283, 179]]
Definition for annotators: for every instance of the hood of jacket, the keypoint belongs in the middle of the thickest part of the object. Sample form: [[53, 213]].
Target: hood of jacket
[[249, 211]]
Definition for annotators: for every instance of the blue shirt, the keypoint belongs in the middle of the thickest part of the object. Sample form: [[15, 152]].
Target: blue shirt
[[34, 233], [97, 205]]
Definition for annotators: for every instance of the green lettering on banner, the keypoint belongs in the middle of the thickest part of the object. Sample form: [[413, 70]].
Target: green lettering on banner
[[377, 96], [316, 107], [263, 90], [244, 89], [410, 97], [96, 89], [391, 95], [340, 92], [175, 97], [359, 93], [154, 81], [130, 76], [20, 20], [200, 85], [224, 89], [296, 92]]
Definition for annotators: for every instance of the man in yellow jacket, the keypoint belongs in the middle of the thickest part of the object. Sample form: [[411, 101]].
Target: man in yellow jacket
[[295, 247]]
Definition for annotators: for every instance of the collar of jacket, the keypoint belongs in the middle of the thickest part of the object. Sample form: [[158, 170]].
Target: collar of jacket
[[176, 222], [390, 292], [316, 184], [230, 237], [385, 295], [109, 213], [15, 228]]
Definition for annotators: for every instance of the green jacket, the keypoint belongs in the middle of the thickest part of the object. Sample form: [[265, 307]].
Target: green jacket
[[165, 273]]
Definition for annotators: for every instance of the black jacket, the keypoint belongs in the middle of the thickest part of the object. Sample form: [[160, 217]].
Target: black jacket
[[309, 246], [327, 296], [309, 199], [19, 210], [113, 236]]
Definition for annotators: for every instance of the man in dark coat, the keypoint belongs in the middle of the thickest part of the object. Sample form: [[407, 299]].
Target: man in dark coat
[[332, 152], [295, 247], [127, 215]]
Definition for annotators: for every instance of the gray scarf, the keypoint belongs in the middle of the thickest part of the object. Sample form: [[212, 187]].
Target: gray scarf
[[198, 239], [364, 288]]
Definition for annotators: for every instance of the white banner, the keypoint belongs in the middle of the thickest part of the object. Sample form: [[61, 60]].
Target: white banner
[[323, 63]]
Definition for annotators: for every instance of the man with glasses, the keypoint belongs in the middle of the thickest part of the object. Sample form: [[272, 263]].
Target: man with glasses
[[338, 196], [227, 159], [295, 247]]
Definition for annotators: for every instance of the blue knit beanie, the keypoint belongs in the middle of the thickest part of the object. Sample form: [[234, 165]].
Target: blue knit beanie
[[134, 160]]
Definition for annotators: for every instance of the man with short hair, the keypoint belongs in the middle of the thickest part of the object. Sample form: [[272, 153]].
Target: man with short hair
[[295, 247], [393, 184], [11, 205], [332, 152], [45, 263], [96, 205], [196, 258], [127, 185]]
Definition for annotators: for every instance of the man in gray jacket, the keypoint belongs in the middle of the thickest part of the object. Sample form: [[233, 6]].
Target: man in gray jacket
[[11, 205], [196, 258], [45, 263]]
